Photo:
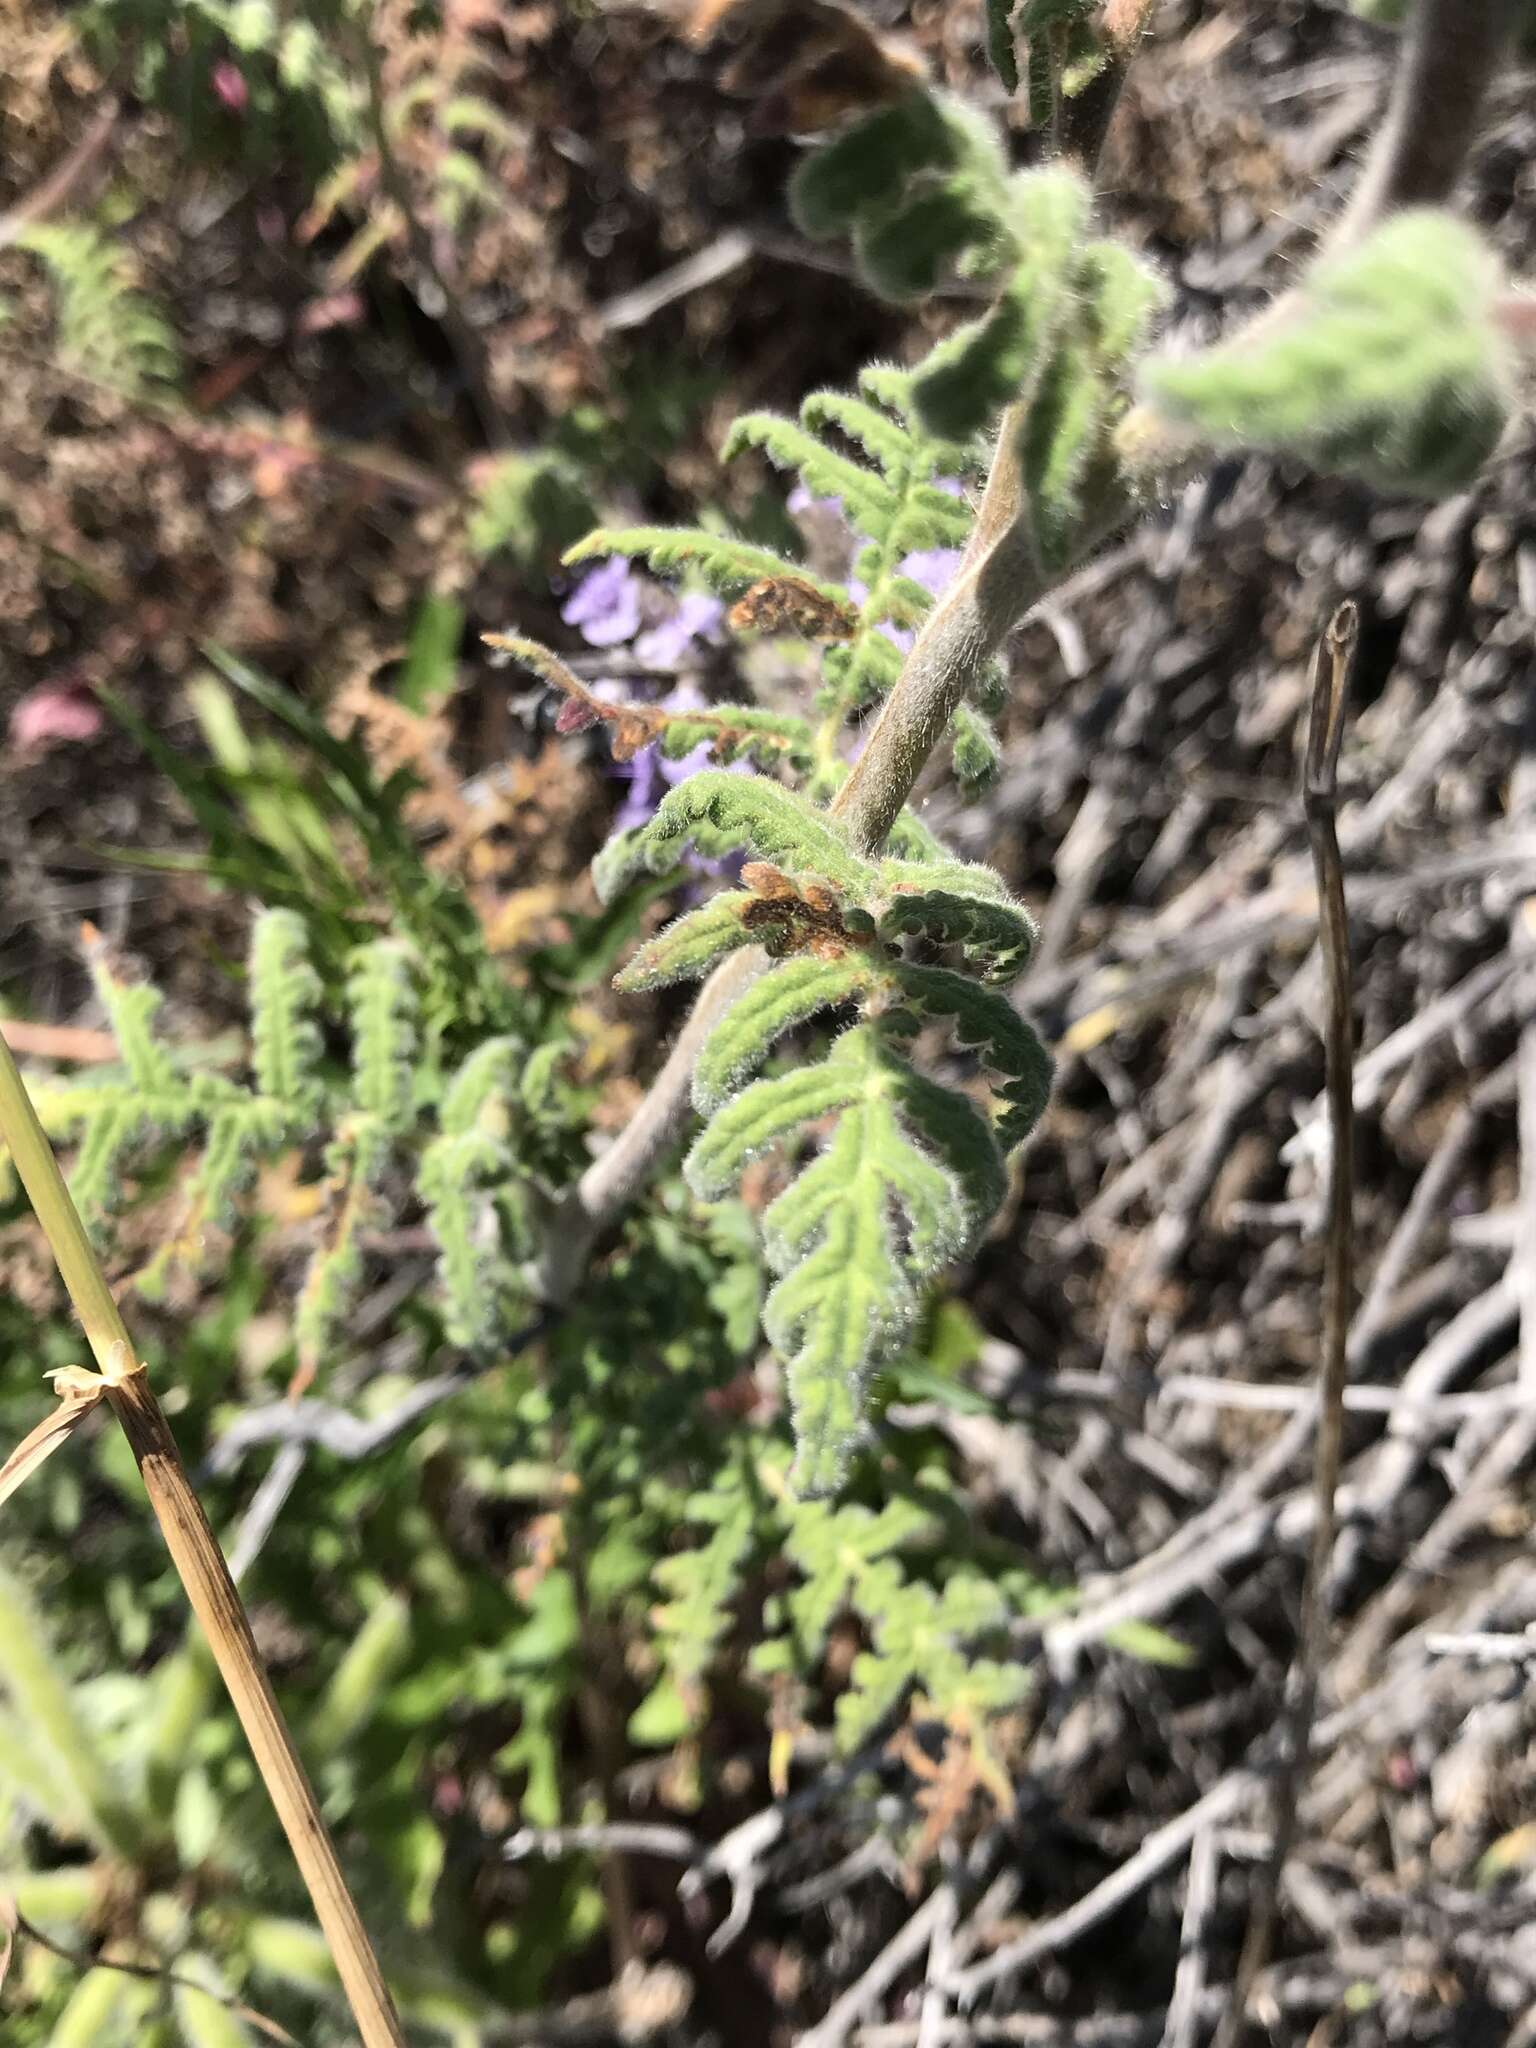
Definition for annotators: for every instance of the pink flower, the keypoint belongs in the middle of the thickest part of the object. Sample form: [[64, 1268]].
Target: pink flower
[[228, 82], [54, 712]]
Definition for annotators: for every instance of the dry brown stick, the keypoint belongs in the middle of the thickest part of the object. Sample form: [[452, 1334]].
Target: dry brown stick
[[59, 1041], [1320, 777], [124, 1384]]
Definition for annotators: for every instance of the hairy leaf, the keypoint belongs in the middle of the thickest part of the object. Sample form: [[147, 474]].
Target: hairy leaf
[[691, 945], [726, 564], [988, 1021], [285, 1003], [788, 994], [1386, 366], [746, 811]]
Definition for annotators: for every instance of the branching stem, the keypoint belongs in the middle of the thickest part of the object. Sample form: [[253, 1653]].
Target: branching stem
[[1450, 56]]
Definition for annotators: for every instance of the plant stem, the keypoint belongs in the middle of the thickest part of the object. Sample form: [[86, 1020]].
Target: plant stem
[[1319, 795], [1083, 119], [198, 1560], [1452, 50]]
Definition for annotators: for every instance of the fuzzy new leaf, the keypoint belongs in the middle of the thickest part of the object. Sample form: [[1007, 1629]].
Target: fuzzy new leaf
[[773, 823], [987, 1020], [691, 945], [956, 904], [1388, 366], [787, 995], [725, 563]]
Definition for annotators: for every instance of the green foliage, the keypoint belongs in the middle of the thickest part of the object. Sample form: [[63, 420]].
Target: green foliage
[[297, 818], [106, 329], [923, 185], [724, 563], [460, 1127], [531, 507], [912, 1172], [303, 95], [475, 1200], [731, 811], [1385, 365], [1066, 51], [1000, 44], [170, 1845], [920, 183], [936, 1619], [873, 452]]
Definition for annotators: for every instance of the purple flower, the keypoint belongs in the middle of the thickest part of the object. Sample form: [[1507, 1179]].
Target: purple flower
[[650, 774], [933, 568], [800, 500], [605, 605], [697, 617]]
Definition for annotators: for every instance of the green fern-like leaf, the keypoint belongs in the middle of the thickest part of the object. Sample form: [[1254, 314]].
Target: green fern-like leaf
[[382, 1000], [985, 1019], [865, 494], [737, 811], [725, 564], [855, 1235], [240, 1130], [1000, 45], [106, 328], [787, 996], [974, 751], [699, 1585], [285, 1006], [461, 1174], [967, 379], [690, 946], [954, 903]]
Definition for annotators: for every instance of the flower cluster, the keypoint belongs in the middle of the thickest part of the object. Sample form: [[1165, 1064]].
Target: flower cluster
[[666, 632]]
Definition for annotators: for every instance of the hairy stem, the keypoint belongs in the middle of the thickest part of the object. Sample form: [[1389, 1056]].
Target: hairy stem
[[1083, 121], [1447, 64]]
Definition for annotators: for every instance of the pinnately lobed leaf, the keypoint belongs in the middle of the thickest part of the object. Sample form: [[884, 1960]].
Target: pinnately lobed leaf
[[963, 383], [285, 1003], [951, 904], [787, 995], [1387, 366], [986, 1019], [691, 945], [748, 811], [726, 564]]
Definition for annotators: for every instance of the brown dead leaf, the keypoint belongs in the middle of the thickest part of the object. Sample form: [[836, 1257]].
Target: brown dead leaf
[[38, 1446]]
